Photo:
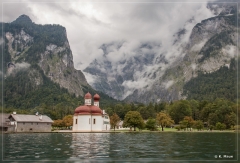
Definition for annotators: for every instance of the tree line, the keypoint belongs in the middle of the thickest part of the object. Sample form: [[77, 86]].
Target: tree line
[[186, 114], [207, 112]]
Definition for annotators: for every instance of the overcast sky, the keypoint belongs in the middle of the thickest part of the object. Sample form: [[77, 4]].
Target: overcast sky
[[92, 24], [123, 27]]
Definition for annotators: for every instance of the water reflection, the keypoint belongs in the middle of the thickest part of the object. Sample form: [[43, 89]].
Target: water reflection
[[90, 145], [102, 147], [153, 146]]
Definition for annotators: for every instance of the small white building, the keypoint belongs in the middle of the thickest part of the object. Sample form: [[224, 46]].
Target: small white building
[[90, 117]]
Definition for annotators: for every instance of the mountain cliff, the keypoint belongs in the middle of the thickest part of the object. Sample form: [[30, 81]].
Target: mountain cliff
[[38, 66], [153, 77], [48, 47]]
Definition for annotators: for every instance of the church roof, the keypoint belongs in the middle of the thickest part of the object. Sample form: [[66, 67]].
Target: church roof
[[88, 109], [88, 96], [96, 97]]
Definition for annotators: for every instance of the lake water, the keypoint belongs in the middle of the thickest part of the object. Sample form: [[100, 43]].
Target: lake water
[[120, 147]]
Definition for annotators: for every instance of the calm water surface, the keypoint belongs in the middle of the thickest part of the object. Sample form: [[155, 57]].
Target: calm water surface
[[120, 147]]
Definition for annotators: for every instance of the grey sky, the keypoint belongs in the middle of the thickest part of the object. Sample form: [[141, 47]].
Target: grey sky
[[91, 24]]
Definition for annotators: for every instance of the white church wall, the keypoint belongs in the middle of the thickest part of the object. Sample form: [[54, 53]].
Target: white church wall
[[74, 128], [98, 123], [83, 123]]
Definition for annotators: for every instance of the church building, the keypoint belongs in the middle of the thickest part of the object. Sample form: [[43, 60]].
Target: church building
[[90, 117]]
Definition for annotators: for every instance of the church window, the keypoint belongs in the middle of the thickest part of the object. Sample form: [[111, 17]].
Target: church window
[[89, 120], [94, 121], [76, 121]]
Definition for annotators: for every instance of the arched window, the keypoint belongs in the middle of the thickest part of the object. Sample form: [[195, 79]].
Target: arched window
[[76, 121], [94, 121]]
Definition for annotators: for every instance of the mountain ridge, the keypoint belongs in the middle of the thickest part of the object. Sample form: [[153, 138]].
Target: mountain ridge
[[42, 55], [149, 78]]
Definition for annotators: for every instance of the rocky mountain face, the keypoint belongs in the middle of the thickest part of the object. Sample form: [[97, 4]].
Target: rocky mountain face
[[29, 46], [152, 77]]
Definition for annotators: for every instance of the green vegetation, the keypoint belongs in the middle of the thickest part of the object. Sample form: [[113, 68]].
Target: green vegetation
[[179, 109], [151, 124], [43, 35], [198, 125], [187, 123], [133, 119], [22, 94], [66, 122], [114, 120], [164, 119], [219, 84], [220, 126], [186, 115]]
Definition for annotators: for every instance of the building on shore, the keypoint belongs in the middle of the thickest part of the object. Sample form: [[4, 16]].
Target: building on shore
[[90, 117], [29, 123], [5, 122]]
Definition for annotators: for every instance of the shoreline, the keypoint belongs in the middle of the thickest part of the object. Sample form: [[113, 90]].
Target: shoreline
[[127, 131]]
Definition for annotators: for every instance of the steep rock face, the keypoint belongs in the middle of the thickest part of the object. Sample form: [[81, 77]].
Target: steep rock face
[[208, 28], [57, 64], [211, 44], [26, 46]]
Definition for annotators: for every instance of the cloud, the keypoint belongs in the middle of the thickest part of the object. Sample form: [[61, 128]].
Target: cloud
[[22, 65], [91, 78], [230, 50], [193, 66], [17, 67], [168, 84], [89, 25], [197, 47], [139, 37]]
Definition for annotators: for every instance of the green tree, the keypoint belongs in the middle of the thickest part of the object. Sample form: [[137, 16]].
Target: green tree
[[198, 125], [164, 119], [179, 109], [195, 109], [67, 121], [119, 110], [144, 112], [58, 123], [151, 124], [160, 107], [188, 121], [141, 126], [212, 119], [133, 119], [127, 108], [220, 126], [114, 120], [109, 111], [182, 125], [150, 110], [230, 120]]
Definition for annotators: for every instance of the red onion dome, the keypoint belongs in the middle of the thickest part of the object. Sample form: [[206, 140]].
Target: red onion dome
[[83, 110], [96, 110], [96, 97], [88, 96]]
